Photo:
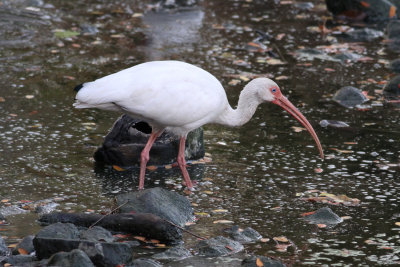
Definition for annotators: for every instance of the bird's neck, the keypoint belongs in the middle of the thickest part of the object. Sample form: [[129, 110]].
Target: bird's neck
[[247, 105]]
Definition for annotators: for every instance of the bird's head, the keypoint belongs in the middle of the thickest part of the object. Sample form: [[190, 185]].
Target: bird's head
[[269, 91]]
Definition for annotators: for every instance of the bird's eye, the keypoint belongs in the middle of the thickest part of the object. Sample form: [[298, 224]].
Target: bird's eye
[[274, 90]]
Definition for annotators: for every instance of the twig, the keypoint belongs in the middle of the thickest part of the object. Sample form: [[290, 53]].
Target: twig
[[177, 226], [101, 218]]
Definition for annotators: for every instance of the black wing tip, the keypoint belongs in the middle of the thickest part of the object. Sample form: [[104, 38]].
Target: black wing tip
[[78, 87]]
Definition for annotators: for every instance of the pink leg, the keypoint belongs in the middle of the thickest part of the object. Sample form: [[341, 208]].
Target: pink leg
[[144, 157], [182, 162]]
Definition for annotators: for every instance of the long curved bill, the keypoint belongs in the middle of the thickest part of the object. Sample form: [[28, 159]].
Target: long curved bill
[[289, 107]]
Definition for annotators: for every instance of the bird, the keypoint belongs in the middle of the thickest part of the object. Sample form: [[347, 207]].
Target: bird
[[179, 97]]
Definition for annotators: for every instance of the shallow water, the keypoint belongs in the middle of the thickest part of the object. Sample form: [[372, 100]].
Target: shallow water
[[257, 171]]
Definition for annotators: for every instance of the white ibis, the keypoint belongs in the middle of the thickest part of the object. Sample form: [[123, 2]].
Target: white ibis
[[179, 97]]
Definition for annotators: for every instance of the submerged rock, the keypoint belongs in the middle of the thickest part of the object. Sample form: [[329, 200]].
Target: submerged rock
[[143, 262], [362, 35], [175, 254], [107, 254], [20, 260], [75, 258], [125, 141], [97, 233], [244, 236], [163, 203], [266, 261], [26, 244], [349, 97], [218, 246], [391, 91], [395, 65], [3, 247], [324, 216]]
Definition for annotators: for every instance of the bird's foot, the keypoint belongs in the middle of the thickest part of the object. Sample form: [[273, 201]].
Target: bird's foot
[[191, 188]]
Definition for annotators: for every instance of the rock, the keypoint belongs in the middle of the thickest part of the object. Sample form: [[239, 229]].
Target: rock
[[3, 247], [20, 260], [324, 216], [125, 141], [174, 254], [75, 258], [107, 254], [391, 91], [163, 203], [177, 3], [143, 262], [333, 124], [46, 208], [88, 29], [393, 30], [362, 35], [395, 65], [304, 5], [267, 262], [218, 246], [349, 97], [59, 230], [2, 217], [26, 244], [346, 57], [97, 233], [373, 10], [245, 236]]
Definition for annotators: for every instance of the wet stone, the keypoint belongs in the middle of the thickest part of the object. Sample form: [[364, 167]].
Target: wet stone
[[125, 141], [75, 258], [333, 124], [349, 97], [97, 233], [26, 244], [267, 262], [391, 91], [107, 254], [218, 246], [247, 235], [393, 30], [19, 260], [163, 203], [3, 247], [304, 5], [362, 35], [143, 262], [59, 230], [324, 216], [174, 254], [395, 65]]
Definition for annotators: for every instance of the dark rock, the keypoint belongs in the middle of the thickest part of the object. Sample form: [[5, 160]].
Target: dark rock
[[143, 224], [124, 143], [218, 246], [324, 216], [143, 262], [45, 247], [267, 262], [362, 35], [75, 258], [2, 217], [349, 97], [3, 248], [247, 235], [333, 124], [391, 91], [175, 254], [376, 10], [19, 260], [395, 65], [59, 230], [26, 244], [163, 203], [97, 233], [393, 30], [107, 254]]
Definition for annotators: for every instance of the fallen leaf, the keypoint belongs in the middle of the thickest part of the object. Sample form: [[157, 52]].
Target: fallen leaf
[[234, 82], [346, 217], [282, 77], [329, 70], [118, 168], [318, 170], [2, 99], [137, 15], [259, 263], [307, 213], [321, 225], [22, 251], [140, 238], [4, 200], [229, 247], [203, 214], [190, 223], [154, 241], [160, 245], [29, 96], [392, 12], [397, 223], [281, 239], [12, 245], [274, 61], [365, 4], [298, 129], [151, 168], [219, 211], [264, 240], [223, 222]]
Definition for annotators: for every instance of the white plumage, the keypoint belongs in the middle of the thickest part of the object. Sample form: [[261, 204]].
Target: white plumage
[[178, 97]]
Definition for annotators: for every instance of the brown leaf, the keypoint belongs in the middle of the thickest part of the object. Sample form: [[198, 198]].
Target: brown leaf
[[281, 239], [22, 251], [229, 247], [151, 168], [118, 168], [140, 238], [307, 213], [321, 225], [392, 12]]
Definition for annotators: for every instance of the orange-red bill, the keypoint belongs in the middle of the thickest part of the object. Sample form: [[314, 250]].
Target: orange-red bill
[[289, 107]]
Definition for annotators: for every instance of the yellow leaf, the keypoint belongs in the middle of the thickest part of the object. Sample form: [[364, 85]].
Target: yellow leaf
[[264, 240], [205, 214], [4, 200], [141, 238], [151, 168], [12, 245], [281, 239], [392, 12], [321, 225], [259, 263], [220, 211], [397, 223]]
